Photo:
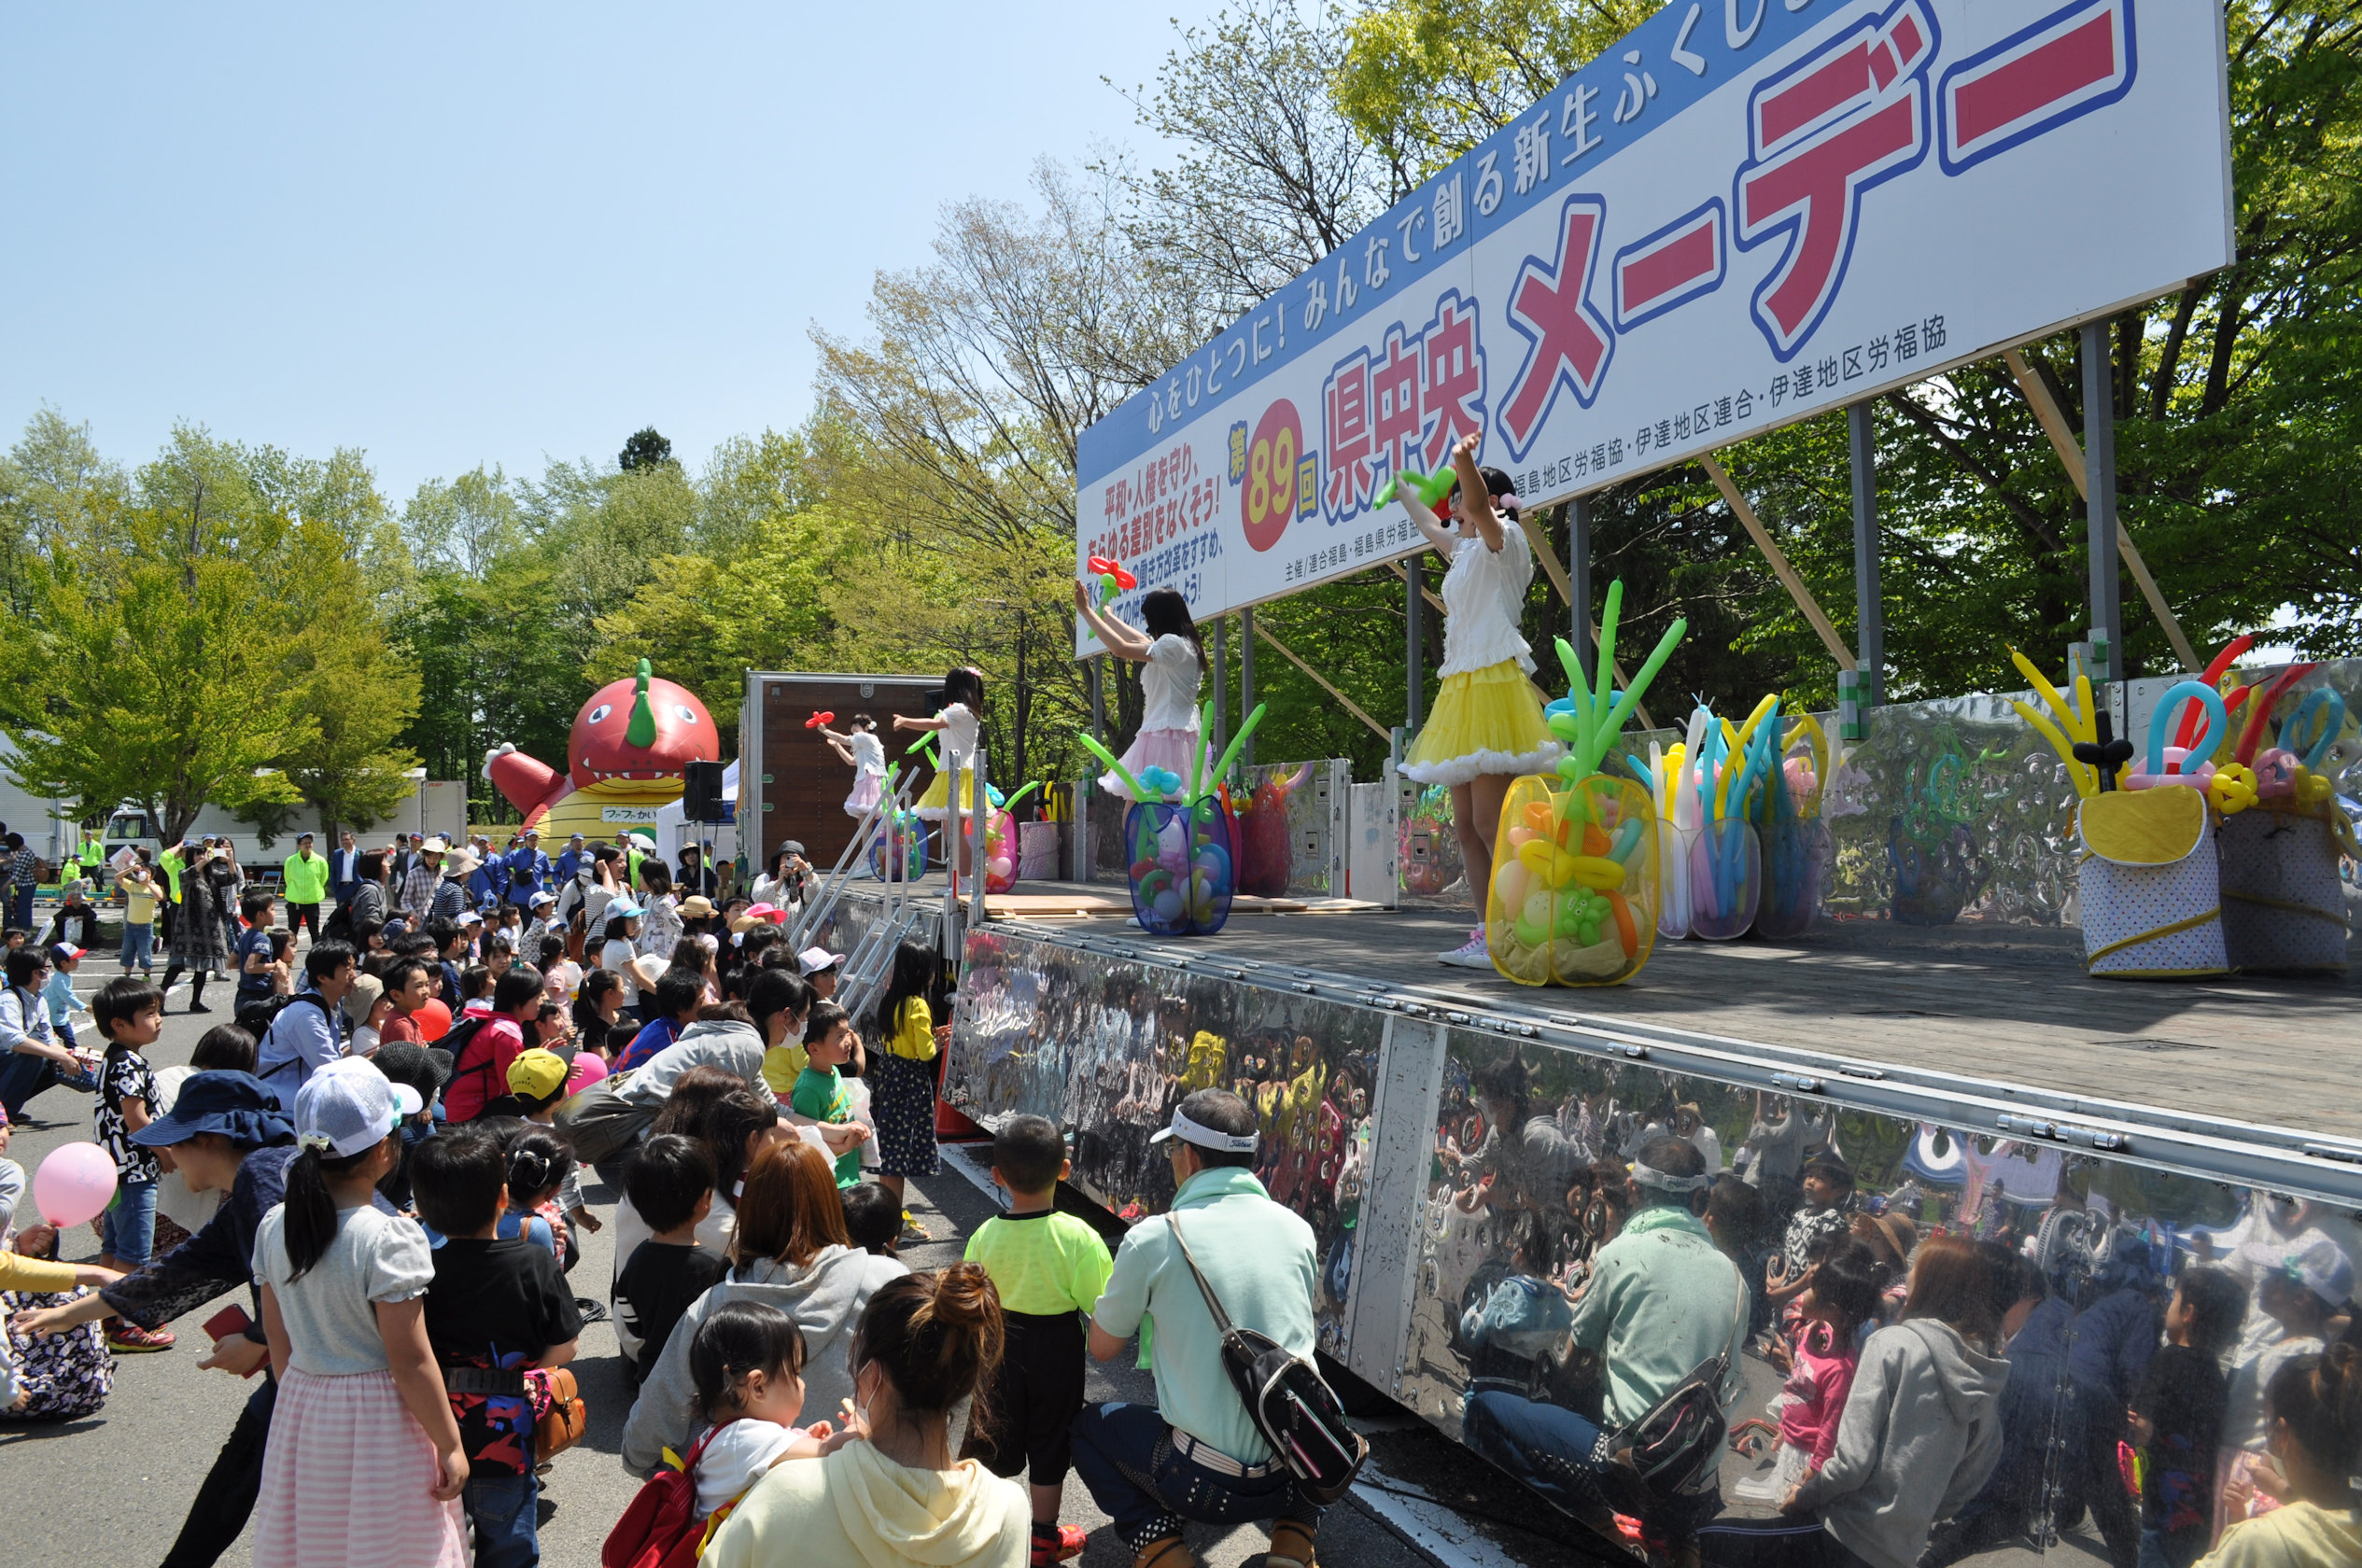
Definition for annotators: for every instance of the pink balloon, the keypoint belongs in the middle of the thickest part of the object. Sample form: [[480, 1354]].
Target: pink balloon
[[587, 1070], [75, 1185]]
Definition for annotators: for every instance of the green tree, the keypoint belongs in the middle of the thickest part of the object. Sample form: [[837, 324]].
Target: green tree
[[646, 449], [161, 688]]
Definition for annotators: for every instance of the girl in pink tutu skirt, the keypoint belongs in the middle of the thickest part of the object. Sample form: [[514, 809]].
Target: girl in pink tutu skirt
[[1168, 737], [860, 747], [363, 1468]]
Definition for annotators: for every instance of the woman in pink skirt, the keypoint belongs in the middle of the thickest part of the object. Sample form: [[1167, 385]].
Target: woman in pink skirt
[[364, 1469], [860, 747], [1168, 737]]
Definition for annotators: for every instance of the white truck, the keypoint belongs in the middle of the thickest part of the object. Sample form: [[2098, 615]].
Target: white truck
[[438, 806]]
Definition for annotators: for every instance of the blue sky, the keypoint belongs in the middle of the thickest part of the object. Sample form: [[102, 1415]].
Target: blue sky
[[490, 234]]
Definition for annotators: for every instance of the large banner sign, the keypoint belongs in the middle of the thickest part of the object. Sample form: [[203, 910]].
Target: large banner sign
[[1747, 212]]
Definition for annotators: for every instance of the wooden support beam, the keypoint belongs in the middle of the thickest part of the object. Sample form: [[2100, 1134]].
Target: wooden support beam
[[1402, 573], [1780, 565], [1323, 682], [2054, 425]]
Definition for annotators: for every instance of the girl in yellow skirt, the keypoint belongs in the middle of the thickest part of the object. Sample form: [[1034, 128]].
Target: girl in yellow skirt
[[962, 699], [1486, 726]]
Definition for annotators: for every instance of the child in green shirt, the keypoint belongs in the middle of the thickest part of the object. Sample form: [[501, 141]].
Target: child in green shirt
[[1049, 1268], [820, 1093]]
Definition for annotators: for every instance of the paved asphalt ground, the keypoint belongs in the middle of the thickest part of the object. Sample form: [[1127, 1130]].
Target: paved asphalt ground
[[112, 1489]]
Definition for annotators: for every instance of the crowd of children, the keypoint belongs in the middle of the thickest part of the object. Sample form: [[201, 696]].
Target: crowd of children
[[412, 1299]]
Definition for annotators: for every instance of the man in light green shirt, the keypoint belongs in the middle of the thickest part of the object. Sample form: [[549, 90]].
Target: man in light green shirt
[[1662, 1301], [305, 875], [1197, 1448]]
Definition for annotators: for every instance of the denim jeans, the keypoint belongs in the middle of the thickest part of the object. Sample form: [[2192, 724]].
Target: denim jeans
[[1556, 1452], [501, 1506], [23, 1075], [2159, 1549], [128, 1232], [139, 947], [1125, 1455], [21, 905]]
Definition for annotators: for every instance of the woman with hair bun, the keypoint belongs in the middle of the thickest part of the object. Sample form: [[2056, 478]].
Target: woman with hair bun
[[887, 1488], [2317, 1445]]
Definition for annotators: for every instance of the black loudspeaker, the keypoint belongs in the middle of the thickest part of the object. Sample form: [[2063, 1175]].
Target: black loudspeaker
[[702, 799]]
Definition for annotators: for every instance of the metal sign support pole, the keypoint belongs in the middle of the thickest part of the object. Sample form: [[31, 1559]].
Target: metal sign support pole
[[1413, 647], [2099, 488], [1246, 677], [1579, 576], [1869, 613]]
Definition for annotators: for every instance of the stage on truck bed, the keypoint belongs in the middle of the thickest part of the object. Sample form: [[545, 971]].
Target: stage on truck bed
[[1986, 1000]]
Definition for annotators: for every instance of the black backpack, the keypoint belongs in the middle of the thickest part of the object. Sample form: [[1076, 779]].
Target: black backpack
[[456, 1040], [257, 1017], [1287, 1398]]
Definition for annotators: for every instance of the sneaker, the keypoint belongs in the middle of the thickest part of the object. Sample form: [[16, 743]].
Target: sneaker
[[199, 1007], [129, 1338], [1057, 1544], [1471, 954], [912, 1230]]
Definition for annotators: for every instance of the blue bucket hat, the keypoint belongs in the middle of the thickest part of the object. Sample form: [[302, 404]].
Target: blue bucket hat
[[237, 1105]]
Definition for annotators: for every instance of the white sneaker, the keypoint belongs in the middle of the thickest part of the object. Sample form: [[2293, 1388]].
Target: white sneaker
[[1473, 954]]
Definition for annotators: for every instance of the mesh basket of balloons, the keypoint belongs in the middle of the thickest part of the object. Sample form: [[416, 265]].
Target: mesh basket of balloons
[[904, 834], [1181, 841], [1574, 889]]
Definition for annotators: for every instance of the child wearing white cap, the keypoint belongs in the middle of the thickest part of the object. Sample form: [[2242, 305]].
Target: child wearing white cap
[[364, 1463]]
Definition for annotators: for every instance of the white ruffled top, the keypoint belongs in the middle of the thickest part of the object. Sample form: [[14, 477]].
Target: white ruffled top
[[1170, 680], [959, 737], [869, 752], [1483, 593]]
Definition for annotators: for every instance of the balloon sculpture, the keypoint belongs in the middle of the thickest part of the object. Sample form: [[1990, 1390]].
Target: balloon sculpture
[[2156, 902], [1113, 579], [1788, 828], [1184, 845], [1000, 839], [1575, 874], [1267, 856], [74, 1185], [1431, 488], [1711, 880]]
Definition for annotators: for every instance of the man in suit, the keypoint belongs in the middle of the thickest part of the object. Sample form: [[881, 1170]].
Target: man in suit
[[344, 869]]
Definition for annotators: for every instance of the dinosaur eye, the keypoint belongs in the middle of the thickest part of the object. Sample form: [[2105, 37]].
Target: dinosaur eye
[[688, 715], [601, 712]]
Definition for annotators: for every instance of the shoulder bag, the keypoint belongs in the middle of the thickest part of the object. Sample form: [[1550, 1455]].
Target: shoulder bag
[[1285, 1396]]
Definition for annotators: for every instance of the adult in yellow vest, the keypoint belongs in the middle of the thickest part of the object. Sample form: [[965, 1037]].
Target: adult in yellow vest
[[306, 877], [173, 862]]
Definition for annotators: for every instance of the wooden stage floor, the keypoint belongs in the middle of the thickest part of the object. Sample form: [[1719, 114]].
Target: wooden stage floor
[[2007, 1002]]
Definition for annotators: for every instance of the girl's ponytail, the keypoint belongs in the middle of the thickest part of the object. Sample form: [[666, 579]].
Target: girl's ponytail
[[310, 1220], [310, 1224]]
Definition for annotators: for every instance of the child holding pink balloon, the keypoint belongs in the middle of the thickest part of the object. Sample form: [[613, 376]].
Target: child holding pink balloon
[[1173, 657], [129, 1013]]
